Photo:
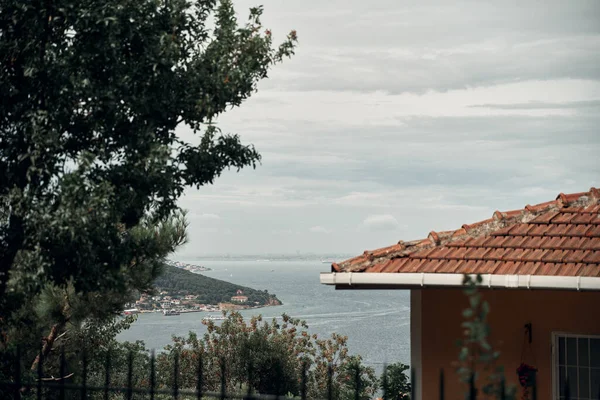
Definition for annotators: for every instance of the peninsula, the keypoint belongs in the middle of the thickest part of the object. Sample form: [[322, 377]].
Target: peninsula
[[181, 290]]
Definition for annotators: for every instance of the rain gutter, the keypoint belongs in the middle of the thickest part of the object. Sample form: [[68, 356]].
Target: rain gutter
[[370, 280]]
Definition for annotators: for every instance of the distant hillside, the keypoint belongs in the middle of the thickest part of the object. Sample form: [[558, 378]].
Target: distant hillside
[[210, 290]]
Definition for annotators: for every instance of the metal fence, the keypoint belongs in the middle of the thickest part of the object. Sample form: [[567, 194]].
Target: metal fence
[[24, 386]]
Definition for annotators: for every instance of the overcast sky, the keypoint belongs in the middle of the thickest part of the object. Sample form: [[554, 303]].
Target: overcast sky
[[398, 117]]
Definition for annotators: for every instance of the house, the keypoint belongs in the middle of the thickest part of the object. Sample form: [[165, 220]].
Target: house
[[541, 277], [239, 299]]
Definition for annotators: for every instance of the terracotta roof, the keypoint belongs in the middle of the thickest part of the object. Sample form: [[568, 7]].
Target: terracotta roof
[[560, 237]]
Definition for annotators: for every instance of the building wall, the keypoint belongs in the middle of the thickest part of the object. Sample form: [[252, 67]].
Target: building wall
[[510, 310]]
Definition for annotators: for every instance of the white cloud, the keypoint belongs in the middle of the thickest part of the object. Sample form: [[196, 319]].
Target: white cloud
[[382, 222], [319, 229], [206, 217]]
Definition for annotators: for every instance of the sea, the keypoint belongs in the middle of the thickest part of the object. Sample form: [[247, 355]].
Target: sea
[[376, 322]]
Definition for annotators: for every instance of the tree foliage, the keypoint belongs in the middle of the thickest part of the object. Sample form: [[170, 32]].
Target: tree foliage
[[477, 358], [92, 92], [395, 383], [266, 357]]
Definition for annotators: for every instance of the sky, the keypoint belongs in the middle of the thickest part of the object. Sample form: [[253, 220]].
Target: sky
[[396, 118]]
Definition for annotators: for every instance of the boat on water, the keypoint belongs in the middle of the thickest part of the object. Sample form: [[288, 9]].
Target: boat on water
[[214, 318], [131, 311], [168, 313]]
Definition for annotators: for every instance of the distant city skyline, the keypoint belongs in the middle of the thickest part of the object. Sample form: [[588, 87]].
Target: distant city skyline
[[398, 118]]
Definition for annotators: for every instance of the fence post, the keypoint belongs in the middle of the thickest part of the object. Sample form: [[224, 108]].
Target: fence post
[[61, 392], [176, 375], [84, 374], [152, 374], [304, 381], [200, 372], [129, 375], [18, 373], [472, 390], [384, 382], [567, 389], [250, 378], [330, 382], [223, 382], [40, 373], [502, 388], [357, 378], [107, 374]]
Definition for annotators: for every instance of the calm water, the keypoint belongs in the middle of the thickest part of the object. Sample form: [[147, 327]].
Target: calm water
[[375, 321]]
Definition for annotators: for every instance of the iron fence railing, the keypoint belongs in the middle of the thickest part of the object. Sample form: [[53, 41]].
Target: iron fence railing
[[39, 386]]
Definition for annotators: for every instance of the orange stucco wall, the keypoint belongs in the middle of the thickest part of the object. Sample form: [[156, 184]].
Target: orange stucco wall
[[548, 311]]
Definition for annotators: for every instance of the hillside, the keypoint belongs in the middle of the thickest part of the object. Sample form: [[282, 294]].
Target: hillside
[[211, 291]]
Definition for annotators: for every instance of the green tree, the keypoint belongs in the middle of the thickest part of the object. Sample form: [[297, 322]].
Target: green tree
[[92, 92], [267, 358], [90, 165], [395, 382]]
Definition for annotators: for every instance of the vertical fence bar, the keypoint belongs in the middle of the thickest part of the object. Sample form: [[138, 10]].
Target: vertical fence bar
[[567, 390], [200, 377], [84, 374], [40, 374], [61, 393], [472, 390], [330, 382], [502, 388], [384, 383], [304, 380], [17, 394], [176, 375], [357, 383], [442, 390], [152, 374], [129, 393], [106, 374], [250, 379], [223, 382]]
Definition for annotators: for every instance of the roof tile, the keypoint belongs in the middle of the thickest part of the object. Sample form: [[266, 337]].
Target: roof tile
[[563, 218], [493, 241], [502, 232], [592, 257], [572, 243], [574, 256], [590, 244], [535, 242], [578, 230], [515, 241], [521, 229], [583, 218], [539, 230], [560, 237], [535, 255], [589, 270], [432, 265], [544, 218], [560, 230], [554, 256], [594, 231]]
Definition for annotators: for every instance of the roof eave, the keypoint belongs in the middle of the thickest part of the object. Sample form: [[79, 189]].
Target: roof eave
[[378, 280]]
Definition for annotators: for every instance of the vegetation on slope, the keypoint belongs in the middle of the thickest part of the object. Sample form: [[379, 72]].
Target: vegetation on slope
[[210, 290]]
